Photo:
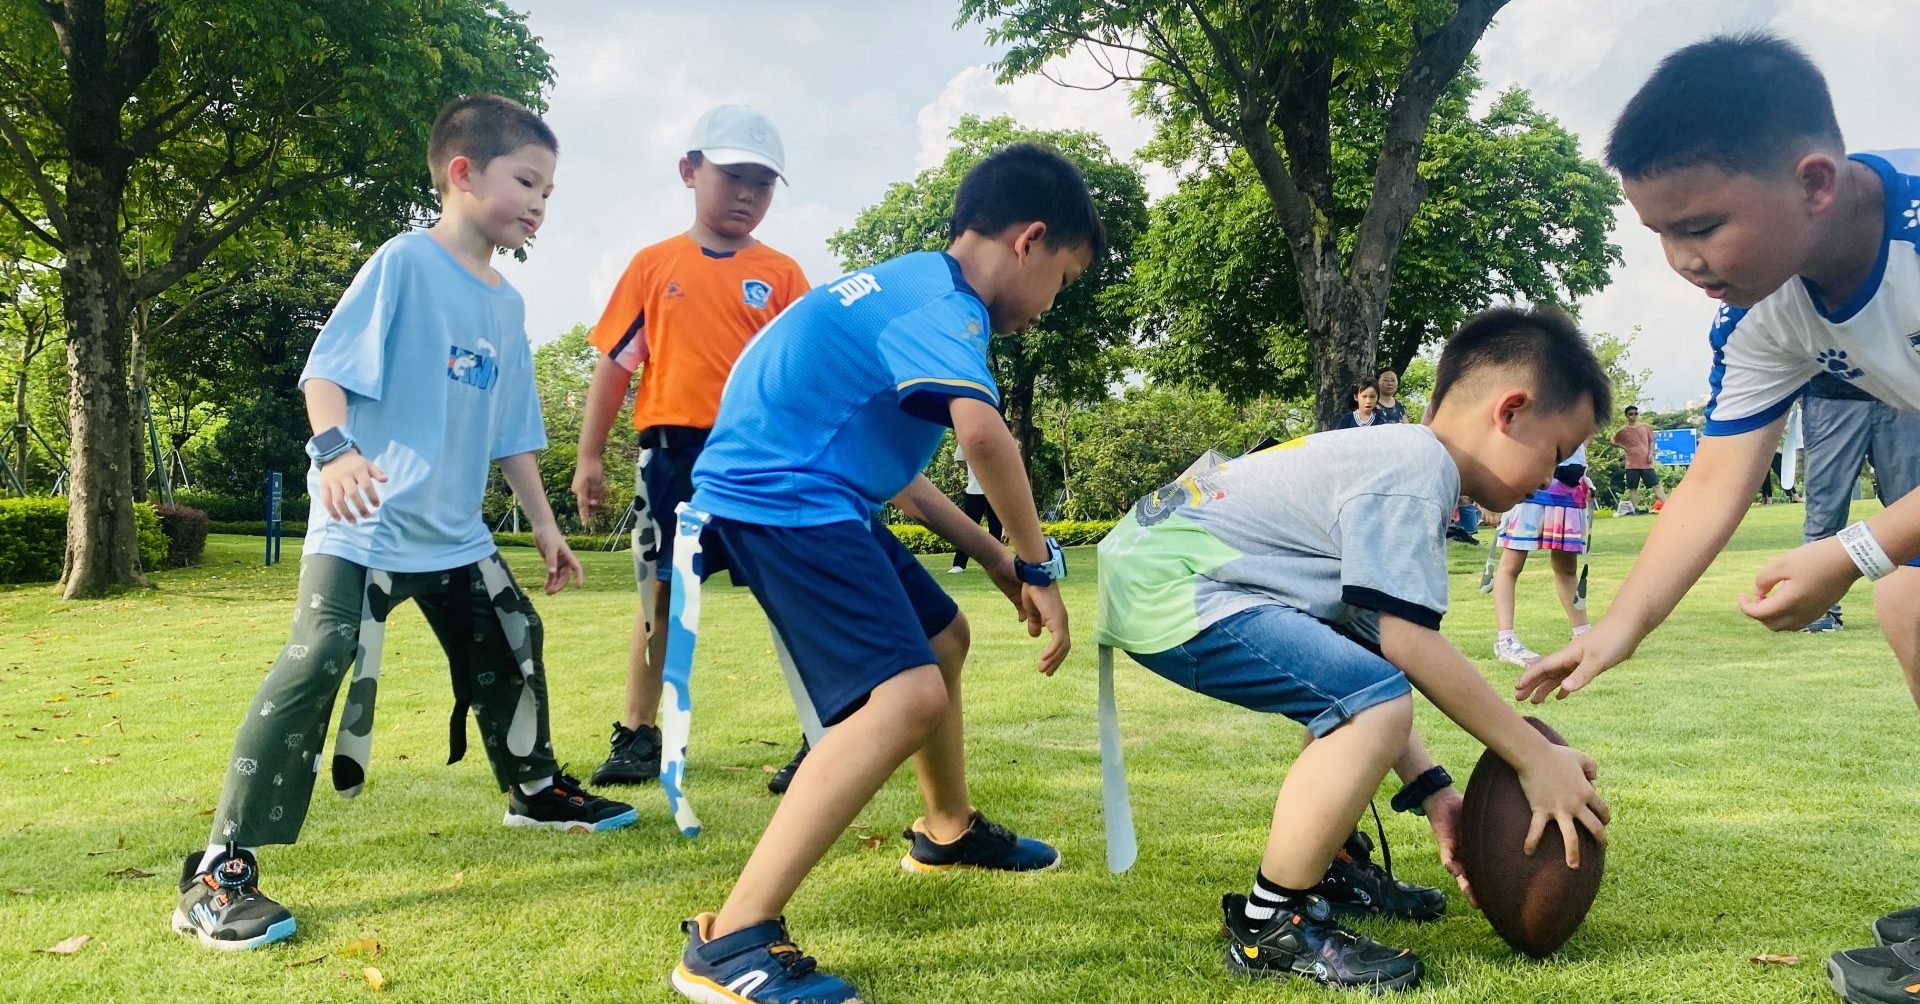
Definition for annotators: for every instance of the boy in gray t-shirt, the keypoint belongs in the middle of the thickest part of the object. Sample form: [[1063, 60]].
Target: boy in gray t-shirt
[[1309, 580]]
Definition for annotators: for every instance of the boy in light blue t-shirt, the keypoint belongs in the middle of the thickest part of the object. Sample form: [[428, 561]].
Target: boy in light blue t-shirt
[[420, 380]]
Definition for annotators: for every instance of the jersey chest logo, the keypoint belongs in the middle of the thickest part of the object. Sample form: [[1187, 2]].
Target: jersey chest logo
[[755, 293], [471, 368]]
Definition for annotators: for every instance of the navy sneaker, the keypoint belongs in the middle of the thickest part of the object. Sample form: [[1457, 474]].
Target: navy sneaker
[[985, 844], [1356, 887], [1302, 939], [1901, 925], [783, 778], [1889, 975], [633, 756], [756, 965], [565, 805], [223, 906]]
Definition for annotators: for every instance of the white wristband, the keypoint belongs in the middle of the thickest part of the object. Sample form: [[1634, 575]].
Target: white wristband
[[1866, 552]]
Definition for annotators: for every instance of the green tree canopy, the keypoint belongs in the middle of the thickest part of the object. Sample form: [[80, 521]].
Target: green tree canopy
[[1278, 81], [1513, 211], [140, 136]]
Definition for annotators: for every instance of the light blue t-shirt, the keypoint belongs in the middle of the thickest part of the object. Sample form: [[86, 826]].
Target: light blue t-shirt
[[439, 382], [840, 402]]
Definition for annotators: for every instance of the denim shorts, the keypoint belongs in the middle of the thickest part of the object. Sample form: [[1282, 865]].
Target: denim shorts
[[1276, 659]]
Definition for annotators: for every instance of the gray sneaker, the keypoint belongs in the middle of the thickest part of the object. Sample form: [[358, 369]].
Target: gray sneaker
[[223, 906], [1514, 652]]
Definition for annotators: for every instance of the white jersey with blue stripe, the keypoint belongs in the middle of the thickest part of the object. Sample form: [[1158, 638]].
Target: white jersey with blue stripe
[[837, 404], [1764, 355]]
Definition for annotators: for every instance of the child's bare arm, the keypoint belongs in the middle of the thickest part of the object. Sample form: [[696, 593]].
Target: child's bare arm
[[1700, 515], [605, 393], [1555, 778], [347, 482], [996, 462], [928, 504]]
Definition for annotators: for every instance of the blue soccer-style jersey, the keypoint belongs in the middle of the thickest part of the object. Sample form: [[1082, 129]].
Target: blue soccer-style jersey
[[1763, 356], [840, 402]]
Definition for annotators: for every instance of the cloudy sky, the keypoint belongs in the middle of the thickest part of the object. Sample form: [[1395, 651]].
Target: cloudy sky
[[863, 92]]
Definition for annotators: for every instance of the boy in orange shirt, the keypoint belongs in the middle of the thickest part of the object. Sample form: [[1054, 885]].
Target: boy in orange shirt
[[681, 315]]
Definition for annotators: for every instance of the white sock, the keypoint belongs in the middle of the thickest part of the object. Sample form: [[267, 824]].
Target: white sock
[[535, 787], [1508, 636], [1581, 629]]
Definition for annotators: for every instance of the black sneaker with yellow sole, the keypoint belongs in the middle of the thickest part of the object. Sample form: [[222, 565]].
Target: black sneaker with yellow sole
[[1885, 975]]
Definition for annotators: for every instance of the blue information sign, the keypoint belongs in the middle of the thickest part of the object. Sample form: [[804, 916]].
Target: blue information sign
[[1674, 447]]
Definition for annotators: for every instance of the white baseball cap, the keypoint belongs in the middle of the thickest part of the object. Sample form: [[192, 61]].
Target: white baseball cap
[[736, 134]]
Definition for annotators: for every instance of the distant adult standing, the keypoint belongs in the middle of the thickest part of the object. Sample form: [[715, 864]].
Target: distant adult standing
[[1843, 428], [1389, 409], [1635, 439], [1366, 407], [974, 503]]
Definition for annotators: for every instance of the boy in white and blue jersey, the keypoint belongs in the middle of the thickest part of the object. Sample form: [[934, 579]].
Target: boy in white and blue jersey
[[420, 380], [1731, 154], [833, 410]]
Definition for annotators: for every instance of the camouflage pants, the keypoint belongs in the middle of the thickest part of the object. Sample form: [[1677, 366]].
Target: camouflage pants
[[492, 638]]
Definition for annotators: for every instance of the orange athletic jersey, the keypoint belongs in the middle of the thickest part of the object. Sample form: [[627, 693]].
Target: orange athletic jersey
[[681, 315]]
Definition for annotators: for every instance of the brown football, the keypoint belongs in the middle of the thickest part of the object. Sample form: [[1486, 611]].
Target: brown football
[[1533, 902]]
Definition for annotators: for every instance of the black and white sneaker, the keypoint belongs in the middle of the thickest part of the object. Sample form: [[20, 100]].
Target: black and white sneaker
[[1357, 887], [1896, 927], [224, 908], [783, 777], [565, 805], [1302, 939], [633, 757]]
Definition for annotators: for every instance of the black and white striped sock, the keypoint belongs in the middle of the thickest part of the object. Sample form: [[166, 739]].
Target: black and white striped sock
[[1267, 898]]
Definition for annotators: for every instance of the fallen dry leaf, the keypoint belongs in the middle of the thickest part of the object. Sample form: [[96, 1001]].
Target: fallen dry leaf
[[374, 979], [366, 948], [23, 890], [1770, 959], [67, 947], [872, 841], [307, 962], [131, 872]]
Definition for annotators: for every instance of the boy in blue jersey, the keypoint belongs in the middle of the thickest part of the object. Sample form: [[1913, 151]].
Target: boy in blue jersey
[[419, 381], [1732, 155], [833, 410]]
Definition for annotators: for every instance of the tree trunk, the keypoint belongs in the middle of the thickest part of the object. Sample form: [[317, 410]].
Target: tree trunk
[[20, 384], [1018, 403], [102, 550]]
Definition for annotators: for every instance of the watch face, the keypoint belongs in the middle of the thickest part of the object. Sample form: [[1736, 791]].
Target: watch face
[[327, 442]]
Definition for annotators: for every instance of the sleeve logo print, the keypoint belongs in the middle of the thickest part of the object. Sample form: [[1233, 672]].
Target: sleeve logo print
[[854, 287], [471, 368], [755, 293], [1835, 361]]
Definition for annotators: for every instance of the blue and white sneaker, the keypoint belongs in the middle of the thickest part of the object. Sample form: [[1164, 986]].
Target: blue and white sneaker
[[223, 906], [565, 805], [755, 965], [985, 844]]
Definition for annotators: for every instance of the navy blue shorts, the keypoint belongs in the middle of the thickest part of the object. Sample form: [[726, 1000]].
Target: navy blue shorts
[[1277, 659], [854, 607], [667, 456]]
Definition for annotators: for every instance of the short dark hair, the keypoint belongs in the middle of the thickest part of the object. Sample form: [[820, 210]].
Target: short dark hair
[[481, 127], [1543, 341], [1632, 409], [1024, 183], [1747, 104]]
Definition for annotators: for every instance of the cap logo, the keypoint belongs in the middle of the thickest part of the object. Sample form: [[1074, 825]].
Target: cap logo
[[758, 135]]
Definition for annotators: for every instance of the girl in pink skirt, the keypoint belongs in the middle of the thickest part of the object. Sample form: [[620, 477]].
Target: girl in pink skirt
[[1555, 520]]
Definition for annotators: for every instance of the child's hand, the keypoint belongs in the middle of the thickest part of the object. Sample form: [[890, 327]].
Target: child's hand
[[561, 564], [1559, 787], [589, 486], [1443, 814], [1798, 587], [1000, 572], [347, 486], [1575, 666], [1041, 606]]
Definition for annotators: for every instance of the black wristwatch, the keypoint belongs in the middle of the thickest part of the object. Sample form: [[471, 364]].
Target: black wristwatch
[[1414, 795]]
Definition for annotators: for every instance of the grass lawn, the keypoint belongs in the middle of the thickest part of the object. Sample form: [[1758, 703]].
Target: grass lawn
[[1761, 788]]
